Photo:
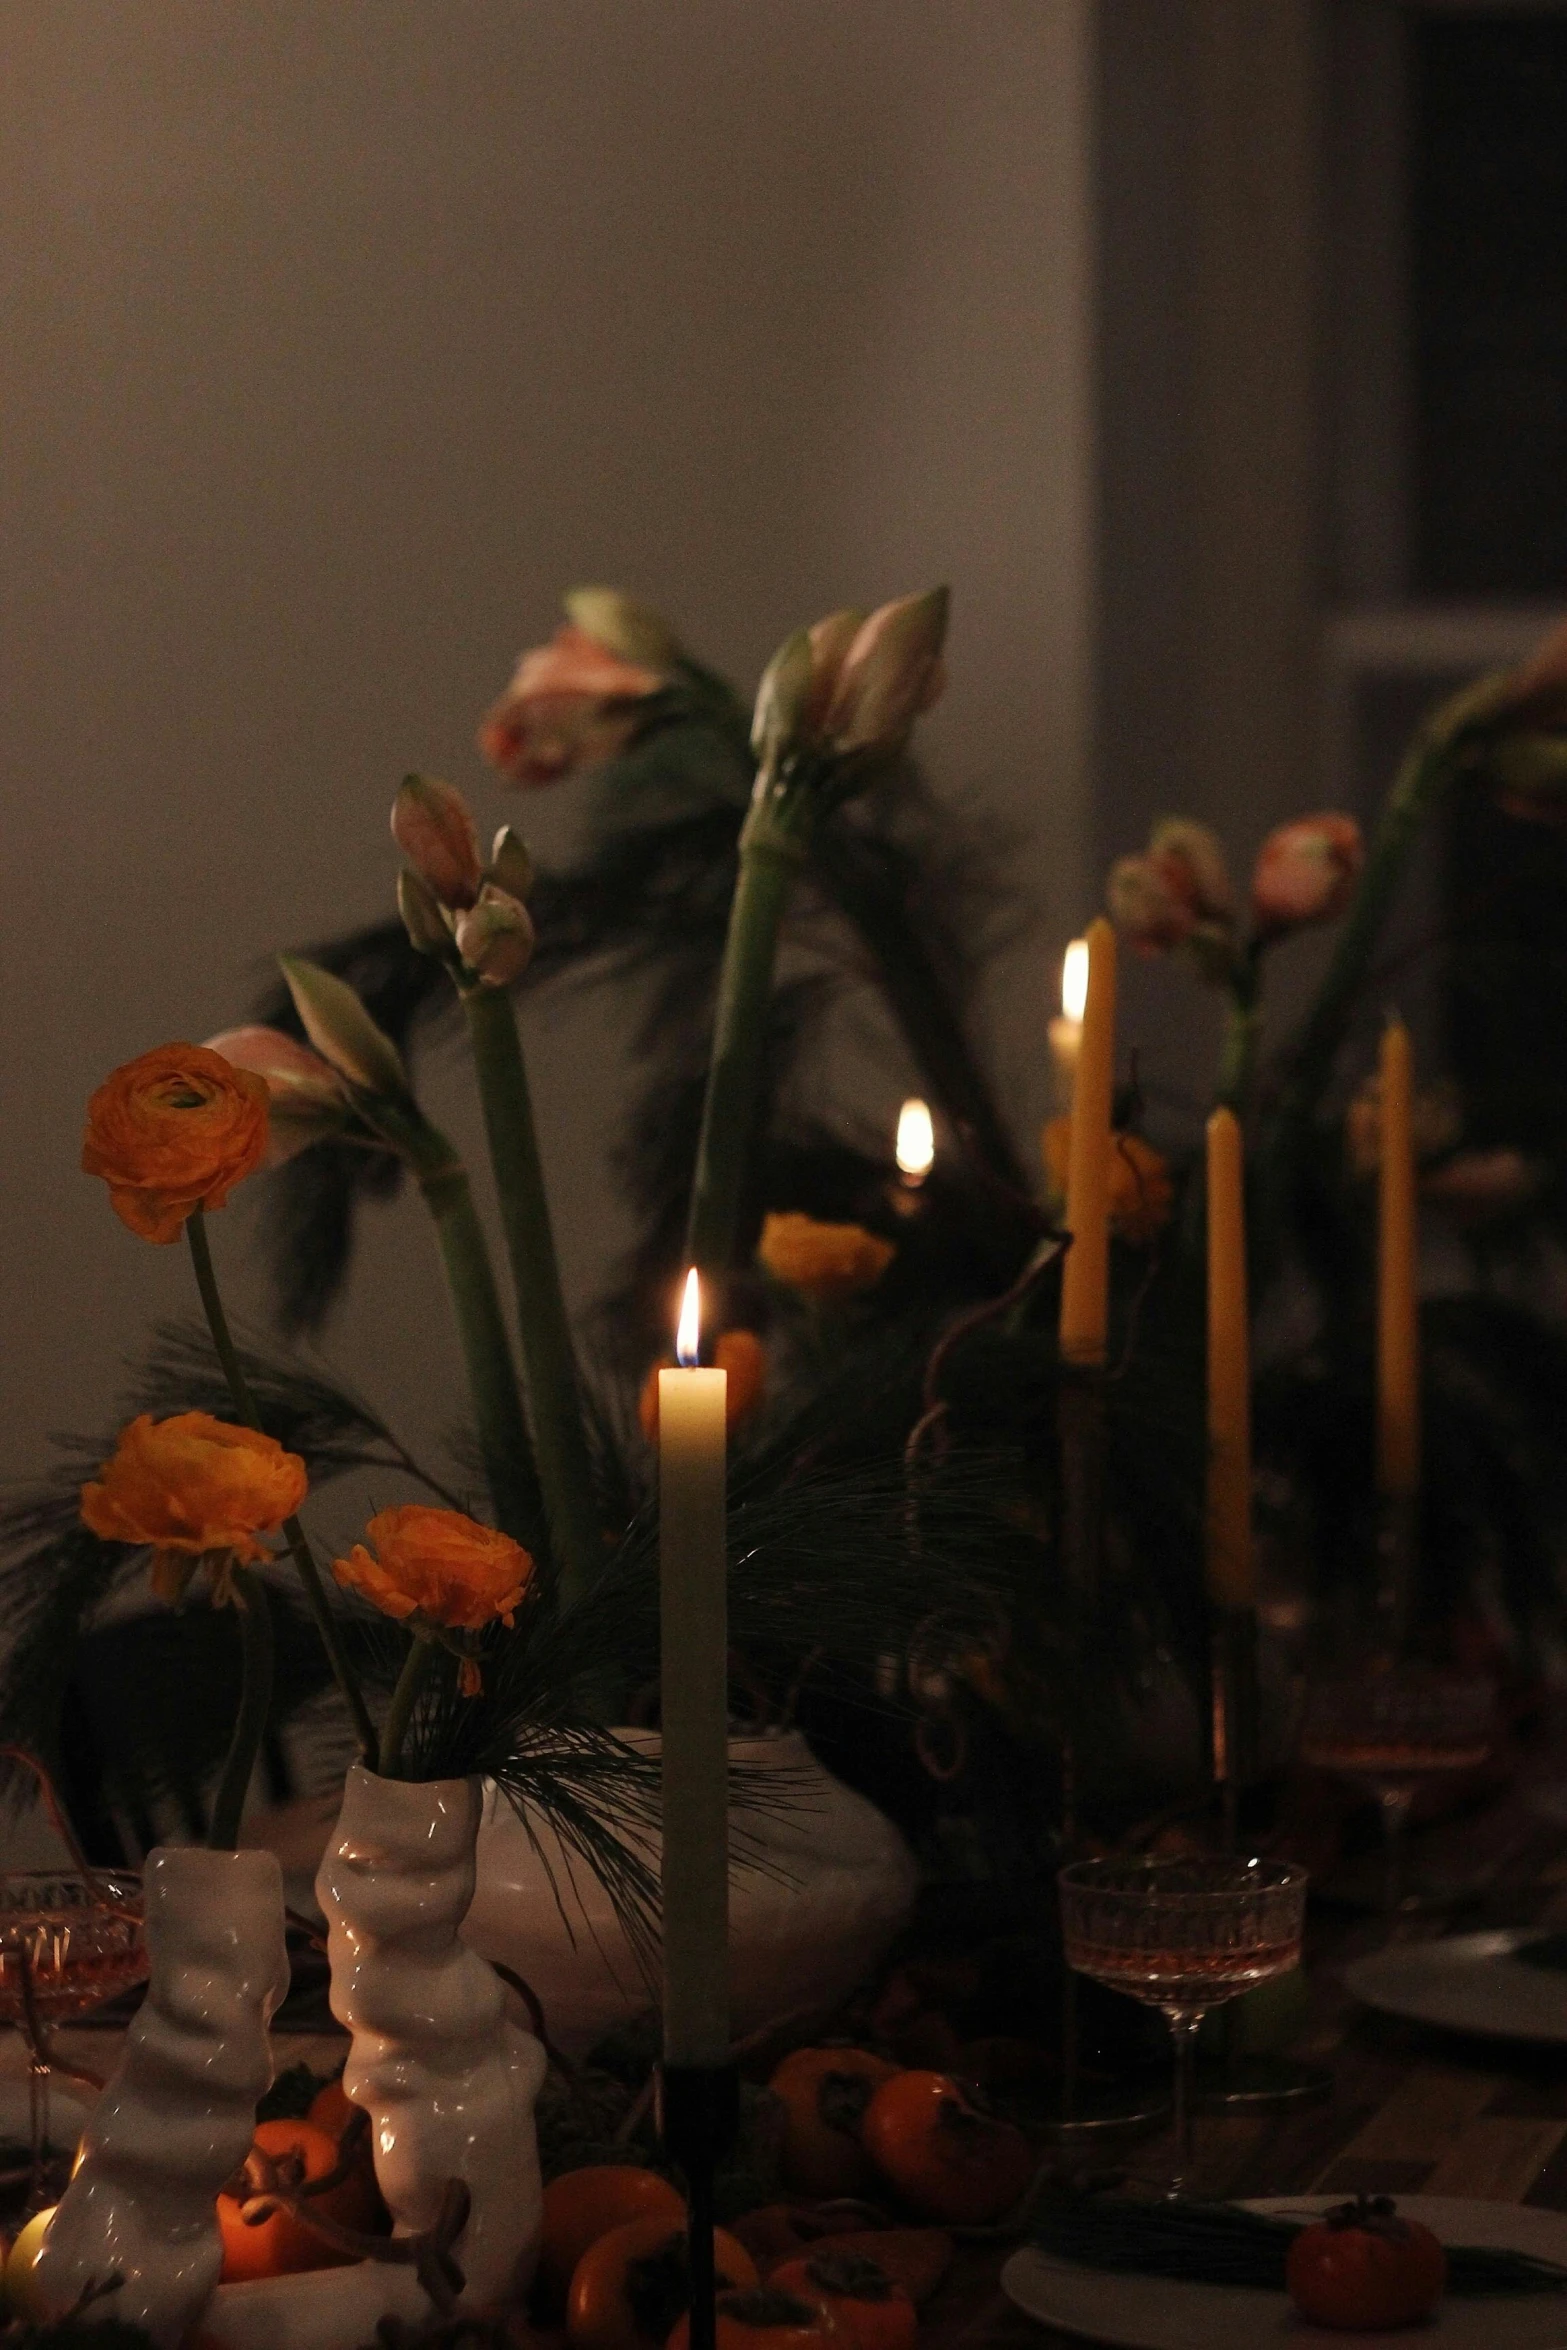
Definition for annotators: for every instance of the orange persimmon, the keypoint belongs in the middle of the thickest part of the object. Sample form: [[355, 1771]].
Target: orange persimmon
[[946, 2157], [582, 2205], [765, 2319], [630, 2287], [281, 2244], [873, 2311], [824, 2093]]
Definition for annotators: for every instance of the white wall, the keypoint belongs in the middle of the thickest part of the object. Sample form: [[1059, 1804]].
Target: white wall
[[338, 335]]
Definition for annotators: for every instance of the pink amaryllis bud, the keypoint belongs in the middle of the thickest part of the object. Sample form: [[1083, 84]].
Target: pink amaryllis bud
[[1178, 890], [572, 704], [432, 826], [892, 672], [495, 937], [1144, 908], [1190, 858], [1305, 872], [306, 1098]]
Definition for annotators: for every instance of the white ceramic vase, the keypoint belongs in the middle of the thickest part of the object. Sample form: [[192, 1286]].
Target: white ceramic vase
[[176, 2119], [449, 2084], [821, 1884]]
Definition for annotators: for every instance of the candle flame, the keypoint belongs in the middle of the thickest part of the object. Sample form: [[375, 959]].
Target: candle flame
[[688, 1338], [1074, 979], [916, 1145]]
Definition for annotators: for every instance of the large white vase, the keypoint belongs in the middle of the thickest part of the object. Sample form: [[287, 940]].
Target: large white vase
[[177, 2117], [820, 1884]]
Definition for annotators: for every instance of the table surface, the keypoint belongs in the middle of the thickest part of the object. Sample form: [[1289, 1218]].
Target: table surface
[[1412, 2110]]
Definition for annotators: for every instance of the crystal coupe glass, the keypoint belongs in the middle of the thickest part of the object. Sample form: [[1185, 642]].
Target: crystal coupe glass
[[68, 1942], [1182, 1935], [1391, 1729]]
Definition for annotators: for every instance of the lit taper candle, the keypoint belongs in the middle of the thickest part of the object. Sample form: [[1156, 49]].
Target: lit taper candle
[[1085, 1280], [1230, 1574], [1398, 1346], [694, 1701], [1066, 1029]]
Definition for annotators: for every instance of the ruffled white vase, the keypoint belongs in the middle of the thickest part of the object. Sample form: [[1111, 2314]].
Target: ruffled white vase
[[449, 2084], [177, 2117], [821, 1884]]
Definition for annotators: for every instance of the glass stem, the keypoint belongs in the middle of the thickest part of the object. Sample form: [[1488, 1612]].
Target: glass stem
[[1394, 1804], [1183, 2022], [38, 2125]]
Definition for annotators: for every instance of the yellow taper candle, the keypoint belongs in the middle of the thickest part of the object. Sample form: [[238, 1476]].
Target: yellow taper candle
[[1231, 1581], [1085, 1281], [694, 1702], [1398, 1356]]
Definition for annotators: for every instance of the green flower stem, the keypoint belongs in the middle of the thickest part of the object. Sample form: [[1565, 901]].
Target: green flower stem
[[1421, 785], [399, 1713], [773, 849], [1242, 1035], [548, 1357], [255, 1700], [504, 1443], [293, 1532]]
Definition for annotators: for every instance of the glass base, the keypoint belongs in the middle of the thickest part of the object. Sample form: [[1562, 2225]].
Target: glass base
[[1105, 2109], [1262, 2084]]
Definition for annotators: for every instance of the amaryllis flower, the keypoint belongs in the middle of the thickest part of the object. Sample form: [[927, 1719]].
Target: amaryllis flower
[[1179, 887], [572, 704], [1305, 872], [306, 1094], [432, 825]]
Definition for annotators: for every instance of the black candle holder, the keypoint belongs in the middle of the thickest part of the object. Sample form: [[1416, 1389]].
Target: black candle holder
[[1084, 2111], [1246, 2084], [698, 2112]]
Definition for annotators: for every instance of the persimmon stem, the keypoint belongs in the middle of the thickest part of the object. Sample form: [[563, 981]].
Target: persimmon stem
[[293, 1532]]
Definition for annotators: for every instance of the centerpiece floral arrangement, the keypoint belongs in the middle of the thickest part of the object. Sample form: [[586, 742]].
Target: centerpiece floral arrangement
[[903, 1464]]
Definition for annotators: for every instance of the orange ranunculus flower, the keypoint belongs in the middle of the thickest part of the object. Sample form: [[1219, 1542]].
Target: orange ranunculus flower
[[827, 1261], [438, 1565], [1141, 1193], [172, 1131], [740, 1353], [194, 1487]]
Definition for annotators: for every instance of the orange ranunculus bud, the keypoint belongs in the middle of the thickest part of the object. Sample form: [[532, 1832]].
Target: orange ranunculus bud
[[496, 937], [1305, 872], [738, 1352], [890, 675], [828, 1261], [1141, 1193], [572, 704], [172, 1131], [432, 825], [305, 1093], [193, 1487], [438, 1565]]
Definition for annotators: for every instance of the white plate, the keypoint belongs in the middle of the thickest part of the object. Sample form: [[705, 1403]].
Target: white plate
[[67, 2116], [1466, 1983], [1155, 2313]]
